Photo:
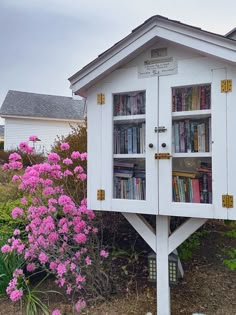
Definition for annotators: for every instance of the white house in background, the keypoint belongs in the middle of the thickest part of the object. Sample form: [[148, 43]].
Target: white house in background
[[46, 116]]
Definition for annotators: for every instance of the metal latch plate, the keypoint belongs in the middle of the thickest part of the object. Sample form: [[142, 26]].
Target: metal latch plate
[[227, 201], [162, 156], [100, 194]]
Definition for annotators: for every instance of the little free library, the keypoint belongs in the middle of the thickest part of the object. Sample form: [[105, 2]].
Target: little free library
[[161, 108]]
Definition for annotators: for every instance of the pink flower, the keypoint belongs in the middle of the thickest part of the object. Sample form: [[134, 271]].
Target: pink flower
[[15, 178], [83, 156], [14, 157], [103, 253], [68, 173], [16, 232], [33, 138], [24, 201], [5, 249], [75, 155], [53, 157], [63, 199], [82, 176], [88, 261], [16, 295], [80, 279], [25, 147], [30, 267], [64, 146], [17, 212], [56, 312], [80, 238], [67, 161], [43, 258], [61, 269], [78, 169], [81, 304]]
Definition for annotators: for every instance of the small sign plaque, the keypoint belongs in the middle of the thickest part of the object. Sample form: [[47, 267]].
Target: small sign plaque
[[157, 67]]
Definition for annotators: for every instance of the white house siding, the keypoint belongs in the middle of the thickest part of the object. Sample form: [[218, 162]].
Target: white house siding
[[18, 130]]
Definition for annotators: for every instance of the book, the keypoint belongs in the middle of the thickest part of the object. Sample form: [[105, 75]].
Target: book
[[195, 190]]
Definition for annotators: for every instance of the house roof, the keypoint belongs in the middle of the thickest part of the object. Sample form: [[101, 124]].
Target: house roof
[[144, 36], [231, 34], [33, 105]]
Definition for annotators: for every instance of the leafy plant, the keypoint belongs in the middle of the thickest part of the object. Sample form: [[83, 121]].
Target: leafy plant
[[187, 248], [231, 263], [8, 263]]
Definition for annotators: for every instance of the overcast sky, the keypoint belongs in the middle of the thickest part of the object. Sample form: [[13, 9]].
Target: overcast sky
[[43, 42]]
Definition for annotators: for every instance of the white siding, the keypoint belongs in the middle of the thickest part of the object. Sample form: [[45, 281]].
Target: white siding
[[18, 130]]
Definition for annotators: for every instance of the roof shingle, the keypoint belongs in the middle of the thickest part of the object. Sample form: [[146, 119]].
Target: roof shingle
[[24, 104]]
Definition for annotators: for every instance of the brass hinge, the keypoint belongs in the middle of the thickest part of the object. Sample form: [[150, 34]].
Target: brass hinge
[[227, 201], [100, 98], [100, 194], [226, 86], [162, 156]]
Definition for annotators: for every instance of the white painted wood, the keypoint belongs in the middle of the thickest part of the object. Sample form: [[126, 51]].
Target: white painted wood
[[183, 232], [206, 43], [163, 290], [180, 266], [231, 143], [144, 229], [94, 136], [18, 130]]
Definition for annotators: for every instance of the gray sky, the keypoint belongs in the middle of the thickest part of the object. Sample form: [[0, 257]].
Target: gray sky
[[43, 42]]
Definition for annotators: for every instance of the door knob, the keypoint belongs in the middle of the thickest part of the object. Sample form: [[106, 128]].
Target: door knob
[[150, 145], [163, 145]]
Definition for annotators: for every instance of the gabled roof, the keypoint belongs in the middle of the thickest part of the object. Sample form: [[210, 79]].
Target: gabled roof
[[231, 34], [24, 104], [142, 37]]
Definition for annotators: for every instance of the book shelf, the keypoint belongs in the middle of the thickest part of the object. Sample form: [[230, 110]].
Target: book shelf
[[191, 144], [129, 129]]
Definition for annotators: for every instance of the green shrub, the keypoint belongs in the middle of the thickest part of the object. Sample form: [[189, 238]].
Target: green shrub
[[8, 263], [1, 145], [187, 248], [7, 223]]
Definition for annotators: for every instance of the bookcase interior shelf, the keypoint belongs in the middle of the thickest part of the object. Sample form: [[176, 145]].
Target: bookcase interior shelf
[[129, 129], [191, 144]]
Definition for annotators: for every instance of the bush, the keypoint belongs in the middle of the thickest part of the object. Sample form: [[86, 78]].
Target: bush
[[77, 140], [1, 145], [8, 264], [61, 237]]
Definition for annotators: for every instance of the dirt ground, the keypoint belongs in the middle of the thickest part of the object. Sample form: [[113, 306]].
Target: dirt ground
[[208, 287]]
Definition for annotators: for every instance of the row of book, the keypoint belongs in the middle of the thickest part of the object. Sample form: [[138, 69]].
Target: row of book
[[194, 187], [191, 135], [129, 104], [129, 180], [191, 98], [129, 139]]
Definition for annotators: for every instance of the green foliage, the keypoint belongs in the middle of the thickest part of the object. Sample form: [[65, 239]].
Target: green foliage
[[1, 145], [7, 223], [231, 233], [32, 298], [231, 263], [77, 139], [187, 248], [8, 263]]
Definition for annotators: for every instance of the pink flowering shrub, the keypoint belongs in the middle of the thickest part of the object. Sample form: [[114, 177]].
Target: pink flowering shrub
[[59, 230]]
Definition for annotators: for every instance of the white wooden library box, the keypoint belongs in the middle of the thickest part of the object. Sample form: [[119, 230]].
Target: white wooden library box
[[161, 108]]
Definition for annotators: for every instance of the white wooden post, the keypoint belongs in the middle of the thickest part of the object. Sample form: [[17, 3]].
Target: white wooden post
[[163, 290]]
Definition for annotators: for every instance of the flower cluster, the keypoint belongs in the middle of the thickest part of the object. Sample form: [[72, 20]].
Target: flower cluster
[[58, 230]]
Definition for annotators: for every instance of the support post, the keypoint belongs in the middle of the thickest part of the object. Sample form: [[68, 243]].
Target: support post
[[162, 252]]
